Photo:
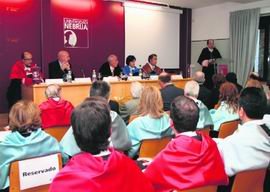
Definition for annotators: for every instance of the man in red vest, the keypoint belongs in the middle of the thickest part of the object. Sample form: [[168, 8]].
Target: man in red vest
[[192, 159], [21, 73]]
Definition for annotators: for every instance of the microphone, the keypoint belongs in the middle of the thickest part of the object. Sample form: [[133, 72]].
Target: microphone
[[83, 72]]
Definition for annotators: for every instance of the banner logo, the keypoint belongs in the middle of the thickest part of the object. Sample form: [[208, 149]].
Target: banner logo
[[76, 33]]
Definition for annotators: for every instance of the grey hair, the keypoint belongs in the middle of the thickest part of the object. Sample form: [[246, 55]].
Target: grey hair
[[199, 77], [136, 89], [53, 91], [192, 89]]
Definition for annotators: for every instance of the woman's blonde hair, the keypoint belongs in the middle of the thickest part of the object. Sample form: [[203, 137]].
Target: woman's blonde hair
[[23, 116], [151, 102]]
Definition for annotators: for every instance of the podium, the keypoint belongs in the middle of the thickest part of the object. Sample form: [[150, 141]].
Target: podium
[[76, 92]]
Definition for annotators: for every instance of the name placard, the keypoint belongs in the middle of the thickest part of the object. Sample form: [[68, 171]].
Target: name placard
[[38, 171]]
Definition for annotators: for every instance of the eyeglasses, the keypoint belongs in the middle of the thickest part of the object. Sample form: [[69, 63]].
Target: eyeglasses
[[28, 59]]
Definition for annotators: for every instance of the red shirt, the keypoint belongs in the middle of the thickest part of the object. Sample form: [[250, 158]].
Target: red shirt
[[147, 69], [55, 113], [187, 163], [20, 71], [85, 172]]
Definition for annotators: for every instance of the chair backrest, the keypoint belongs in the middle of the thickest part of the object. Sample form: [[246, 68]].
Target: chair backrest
[[151, 147], [249, 181], [205, 130], [57, 132], [132, 117], [227, 128], [202, 189], [15, 175]]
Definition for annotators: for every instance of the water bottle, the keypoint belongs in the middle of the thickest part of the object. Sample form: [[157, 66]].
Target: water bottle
[[140, 71], [94, 76], [69, 76]]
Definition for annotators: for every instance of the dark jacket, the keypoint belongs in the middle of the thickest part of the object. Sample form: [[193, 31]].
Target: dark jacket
[[168, 94], [55, 71], [114, 106], [205, 96], [106, 71]]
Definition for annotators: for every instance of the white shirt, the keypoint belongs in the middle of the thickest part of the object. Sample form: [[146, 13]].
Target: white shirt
[[112, 70], [248, 148]]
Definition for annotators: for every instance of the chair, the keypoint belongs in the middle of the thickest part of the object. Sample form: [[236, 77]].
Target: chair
[[151, 147], [57, 132], [205, 130], [226, 129], [132, 117], [14, 177], [249, 181], [202, 189]]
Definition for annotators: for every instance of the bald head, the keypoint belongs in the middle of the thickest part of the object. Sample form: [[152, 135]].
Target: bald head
[[27, 58], [113, 60], [199, 77], [63, 56]]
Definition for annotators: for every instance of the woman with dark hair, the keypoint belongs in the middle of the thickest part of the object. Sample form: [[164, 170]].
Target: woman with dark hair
[[228, 105], [26, 139], [130, 69], [97, 168]]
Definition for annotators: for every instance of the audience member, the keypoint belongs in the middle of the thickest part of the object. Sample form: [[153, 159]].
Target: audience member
[[228, 105], [130, 69], [130, 107], [248, 147], [21, 73], [55, 111], [192, 91], [168, 90], [27, 140], [111, 67], [97, 168], [254, 83], [188, 160], [119, 136], [151, 67], [232, 78], [152, 122], [204, 92], [58, 69], [218, 80]]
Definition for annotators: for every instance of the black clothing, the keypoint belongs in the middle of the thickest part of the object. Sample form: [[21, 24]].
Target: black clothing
[[169, 93], [210, 70], [55, 71], [106, 71], [205, 96]]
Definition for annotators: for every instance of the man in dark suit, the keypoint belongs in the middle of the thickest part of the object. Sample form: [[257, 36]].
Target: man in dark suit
[[207, 60], [168, 90], [111, 67], [204, 92], [59, 68]]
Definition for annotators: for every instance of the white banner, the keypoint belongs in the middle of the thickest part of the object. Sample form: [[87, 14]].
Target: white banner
[[38, 171]]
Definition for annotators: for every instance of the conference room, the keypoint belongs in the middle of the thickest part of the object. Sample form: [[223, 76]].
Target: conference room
[[135, 95]]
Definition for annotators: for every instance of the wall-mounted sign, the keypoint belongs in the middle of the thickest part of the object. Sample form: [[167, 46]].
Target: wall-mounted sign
[[76, 33]]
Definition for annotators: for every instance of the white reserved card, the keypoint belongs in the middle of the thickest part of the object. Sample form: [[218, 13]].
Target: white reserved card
[[38, 171]]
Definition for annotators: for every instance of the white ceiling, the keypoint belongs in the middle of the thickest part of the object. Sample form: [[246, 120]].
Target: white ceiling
[[198, 3]]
